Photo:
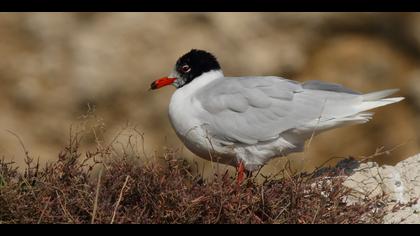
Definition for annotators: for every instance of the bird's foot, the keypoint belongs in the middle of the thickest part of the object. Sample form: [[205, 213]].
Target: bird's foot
[[241, 172]]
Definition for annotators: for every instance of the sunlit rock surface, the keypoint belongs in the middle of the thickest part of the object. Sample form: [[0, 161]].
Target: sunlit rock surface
[[400, 184]]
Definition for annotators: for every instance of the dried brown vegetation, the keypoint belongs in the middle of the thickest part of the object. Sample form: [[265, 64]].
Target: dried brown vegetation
[[101, 187]]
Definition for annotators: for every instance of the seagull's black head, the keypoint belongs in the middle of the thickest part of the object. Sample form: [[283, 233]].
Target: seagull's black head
[[188, 67], [195, 63]]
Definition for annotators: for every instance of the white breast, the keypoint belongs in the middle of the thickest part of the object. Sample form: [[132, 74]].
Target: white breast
[[185, 112], [184, 109]]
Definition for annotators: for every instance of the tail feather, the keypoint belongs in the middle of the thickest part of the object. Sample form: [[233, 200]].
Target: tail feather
[[374, 96], [360, 116], [378, 99]]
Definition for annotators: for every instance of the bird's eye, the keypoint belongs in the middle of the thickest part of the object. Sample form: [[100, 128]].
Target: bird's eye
[[185, 68]]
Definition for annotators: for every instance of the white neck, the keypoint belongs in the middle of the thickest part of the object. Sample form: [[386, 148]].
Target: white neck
[[203, 80]]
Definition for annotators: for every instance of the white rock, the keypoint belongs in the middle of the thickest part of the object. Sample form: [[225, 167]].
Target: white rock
[[400, 184]]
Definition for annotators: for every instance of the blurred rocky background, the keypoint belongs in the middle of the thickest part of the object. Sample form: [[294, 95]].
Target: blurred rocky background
[[53, 66]]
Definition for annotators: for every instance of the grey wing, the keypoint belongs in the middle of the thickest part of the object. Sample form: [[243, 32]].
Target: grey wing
[[254, 109]]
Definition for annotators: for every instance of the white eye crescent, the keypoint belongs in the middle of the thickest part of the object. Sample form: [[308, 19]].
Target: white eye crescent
[[185, 68]]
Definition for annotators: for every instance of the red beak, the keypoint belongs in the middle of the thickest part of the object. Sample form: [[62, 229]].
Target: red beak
[[162, 82]]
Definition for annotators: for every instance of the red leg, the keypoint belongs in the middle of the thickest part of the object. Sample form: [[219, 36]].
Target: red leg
[[241, 172]]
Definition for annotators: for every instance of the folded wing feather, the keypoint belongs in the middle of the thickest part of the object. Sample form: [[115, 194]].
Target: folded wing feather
[[249, 110]]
